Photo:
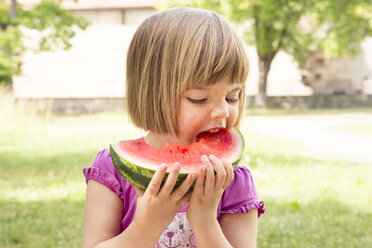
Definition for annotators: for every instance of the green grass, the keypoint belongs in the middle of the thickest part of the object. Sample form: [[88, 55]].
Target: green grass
[[310, 202]]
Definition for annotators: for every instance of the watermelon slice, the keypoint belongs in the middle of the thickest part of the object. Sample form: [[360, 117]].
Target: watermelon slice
[[137, 161]]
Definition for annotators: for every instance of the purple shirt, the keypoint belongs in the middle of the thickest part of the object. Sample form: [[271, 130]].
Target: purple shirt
[[239, 197]]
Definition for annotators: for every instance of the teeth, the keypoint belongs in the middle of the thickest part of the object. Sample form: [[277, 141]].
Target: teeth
[[214, 131]]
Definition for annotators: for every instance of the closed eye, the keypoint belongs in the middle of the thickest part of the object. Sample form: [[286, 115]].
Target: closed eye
[[232, 100], [197, 101]]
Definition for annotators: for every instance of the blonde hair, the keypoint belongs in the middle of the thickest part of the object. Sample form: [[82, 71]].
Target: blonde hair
[[175, 50]]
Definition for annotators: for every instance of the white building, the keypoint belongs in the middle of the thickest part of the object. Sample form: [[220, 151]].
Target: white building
[[95, 66]]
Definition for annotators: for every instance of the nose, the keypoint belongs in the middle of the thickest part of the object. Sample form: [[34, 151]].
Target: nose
[[220, 111]]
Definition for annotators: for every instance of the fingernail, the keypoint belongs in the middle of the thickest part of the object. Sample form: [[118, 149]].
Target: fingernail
[[204, 157], [163, 165], [212, 156]]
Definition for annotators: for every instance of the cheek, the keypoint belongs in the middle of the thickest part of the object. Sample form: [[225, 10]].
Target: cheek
[[183, 114], [188, 117], [233, 116]]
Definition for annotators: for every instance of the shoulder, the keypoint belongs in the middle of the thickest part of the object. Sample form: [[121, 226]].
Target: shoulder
[[241, 195], [103, 171], [242, 171], [242, 178], [102, 162]]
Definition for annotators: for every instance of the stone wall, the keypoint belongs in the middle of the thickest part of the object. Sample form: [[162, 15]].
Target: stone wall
[[72, 106], [318, 101], [93, 105]]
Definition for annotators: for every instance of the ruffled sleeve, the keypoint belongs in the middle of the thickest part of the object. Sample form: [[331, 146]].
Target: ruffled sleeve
[[241, 195], [103, 171]]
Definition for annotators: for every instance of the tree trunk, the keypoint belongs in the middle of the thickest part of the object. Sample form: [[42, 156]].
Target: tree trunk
[[264, 68], [4, 26], [13, 10], [12, 15]]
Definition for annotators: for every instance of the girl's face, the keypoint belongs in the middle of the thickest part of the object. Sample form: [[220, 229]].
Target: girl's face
[[207, 109], [202, 110]]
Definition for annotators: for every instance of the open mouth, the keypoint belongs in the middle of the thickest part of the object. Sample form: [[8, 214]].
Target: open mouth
[[208, 133]]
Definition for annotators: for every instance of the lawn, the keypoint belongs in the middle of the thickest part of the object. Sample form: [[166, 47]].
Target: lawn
[[310, 201]]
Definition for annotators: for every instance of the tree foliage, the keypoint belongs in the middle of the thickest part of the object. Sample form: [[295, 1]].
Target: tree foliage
[[298, 27], [55, 25]]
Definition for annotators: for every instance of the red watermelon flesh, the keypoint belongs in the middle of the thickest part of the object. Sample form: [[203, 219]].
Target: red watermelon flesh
[[137, 161], [221, 144]]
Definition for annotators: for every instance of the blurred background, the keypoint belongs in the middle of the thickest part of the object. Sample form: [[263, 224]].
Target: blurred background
[[308, 122]]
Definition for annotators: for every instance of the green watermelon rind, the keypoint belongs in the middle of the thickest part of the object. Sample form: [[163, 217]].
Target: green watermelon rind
[[140, 177], [136, 175]]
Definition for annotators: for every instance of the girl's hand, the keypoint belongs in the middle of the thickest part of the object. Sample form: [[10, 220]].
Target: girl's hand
[[208, 189], [157, 206]]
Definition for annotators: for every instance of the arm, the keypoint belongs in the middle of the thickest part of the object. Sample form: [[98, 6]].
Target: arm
[[103, 215], [103, 208], [205, 197], [234, 230], [104, 211], [240, 229]]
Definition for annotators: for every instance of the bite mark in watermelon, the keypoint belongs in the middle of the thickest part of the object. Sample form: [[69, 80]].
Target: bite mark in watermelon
[[137, 161]]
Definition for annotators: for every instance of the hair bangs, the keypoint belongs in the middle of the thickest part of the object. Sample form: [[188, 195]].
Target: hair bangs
[[221, 54]]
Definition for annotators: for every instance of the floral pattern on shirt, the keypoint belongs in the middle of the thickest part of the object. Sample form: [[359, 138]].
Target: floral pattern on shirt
[[178, 234]]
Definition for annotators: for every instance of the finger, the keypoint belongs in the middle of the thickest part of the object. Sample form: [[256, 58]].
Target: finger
[[220, 172], [156, 180], [139, 192], [209, 175], [229, 173], [182, 190], [171, 180], [200, 180]]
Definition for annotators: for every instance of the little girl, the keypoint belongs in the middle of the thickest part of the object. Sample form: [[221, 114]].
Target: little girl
[[186, 70]]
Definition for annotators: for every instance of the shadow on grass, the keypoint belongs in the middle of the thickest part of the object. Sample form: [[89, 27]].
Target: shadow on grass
[[45, 222], [41, 223], [323, 223]]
